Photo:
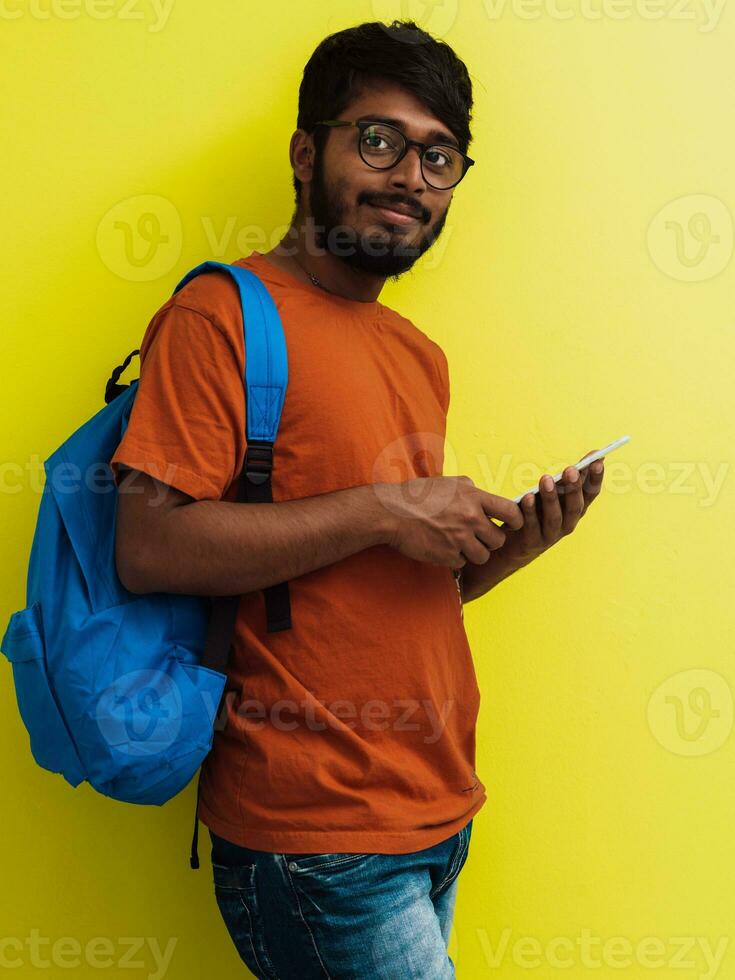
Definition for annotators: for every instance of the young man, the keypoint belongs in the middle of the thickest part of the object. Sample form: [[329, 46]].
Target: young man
[[340, 793]]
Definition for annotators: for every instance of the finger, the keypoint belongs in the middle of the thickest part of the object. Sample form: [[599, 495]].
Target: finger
[[584, 470], [571, 490], [490, 535], [501, 507], [531, 507], [552, 516], [475, 551], [593, 481]]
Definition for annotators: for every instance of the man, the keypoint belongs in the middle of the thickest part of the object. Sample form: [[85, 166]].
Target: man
[[340, 793]]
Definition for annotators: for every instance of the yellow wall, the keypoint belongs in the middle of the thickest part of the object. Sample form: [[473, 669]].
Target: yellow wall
[[582, 290]]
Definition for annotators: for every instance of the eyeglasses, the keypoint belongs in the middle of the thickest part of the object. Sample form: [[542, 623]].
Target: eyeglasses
[[382, 146]]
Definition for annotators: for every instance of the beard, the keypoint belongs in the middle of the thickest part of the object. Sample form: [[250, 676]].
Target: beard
[[387, 255]]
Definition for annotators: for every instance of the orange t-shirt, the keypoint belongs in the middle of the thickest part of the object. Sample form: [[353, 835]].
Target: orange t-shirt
[[355, 729]]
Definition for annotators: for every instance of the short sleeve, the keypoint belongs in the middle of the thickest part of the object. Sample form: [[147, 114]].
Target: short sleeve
[[187, 422]]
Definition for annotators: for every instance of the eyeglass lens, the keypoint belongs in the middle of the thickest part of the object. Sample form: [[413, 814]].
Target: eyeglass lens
[[381, 145]]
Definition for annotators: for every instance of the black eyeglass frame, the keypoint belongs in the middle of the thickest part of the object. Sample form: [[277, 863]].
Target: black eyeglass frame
[[363, 124]]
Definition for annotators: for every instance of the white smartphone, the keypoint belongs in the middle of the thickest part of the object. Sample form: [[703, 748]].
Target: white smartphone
[[585, 461]]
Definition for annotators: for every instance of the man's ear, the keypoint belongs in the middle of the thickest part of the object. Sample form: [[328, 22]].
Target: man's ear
[[301, 155]]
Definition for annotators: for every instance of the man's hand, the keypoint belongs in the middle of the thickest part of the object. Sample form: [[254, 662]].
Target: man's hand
[[446, 519], [553, 516]]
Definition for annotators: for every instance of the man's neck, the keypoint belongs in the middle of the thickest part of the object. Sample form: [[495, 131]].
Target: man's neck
[[298, 254]]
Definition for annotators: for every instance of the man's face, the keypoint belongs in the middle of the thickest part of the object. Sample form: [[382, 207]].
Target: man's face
[[344, 191]]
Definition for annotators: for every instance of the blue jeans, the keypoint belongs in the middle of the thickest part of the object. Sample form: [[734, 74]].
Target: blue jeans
[[339, 916]]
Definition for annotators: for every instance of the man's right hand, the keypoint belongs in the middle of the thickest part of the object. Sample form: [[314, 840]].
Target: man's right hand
[[446, 519]]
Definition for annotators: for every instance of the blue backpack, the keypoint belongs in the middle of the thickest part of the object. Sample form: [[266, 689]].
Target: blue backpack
[[118, 689]]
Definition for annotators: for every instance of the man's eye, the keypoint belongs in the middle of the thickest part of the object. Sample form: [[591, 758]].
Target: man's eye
[[438, 157], [373, 141]]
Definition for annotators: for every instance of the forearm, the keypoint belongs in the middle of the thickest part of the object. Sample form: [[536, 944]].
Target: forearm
[[211, 547], [476, 580]]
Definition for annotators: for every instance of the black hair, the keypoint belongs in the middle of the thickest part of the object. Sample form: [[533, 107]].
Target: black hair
[[344, 62]]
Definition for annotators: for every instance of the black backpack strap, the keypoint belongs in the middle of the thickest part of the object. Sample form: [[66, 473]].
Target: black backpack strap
[[258, 490], [254, 487], [194, 856], [112, 388]]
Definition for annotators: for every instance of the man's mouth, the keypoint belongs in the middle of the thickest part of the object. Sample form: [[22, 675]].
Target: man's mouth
[[397, 217]]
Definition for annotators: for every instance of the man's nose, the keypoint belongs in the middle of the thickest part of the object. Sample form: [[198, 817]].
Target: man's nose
[[407, 172]]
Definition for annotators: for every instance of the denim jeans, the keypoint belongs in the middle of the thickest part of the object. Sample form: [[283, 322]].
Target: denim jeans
[[341, 915]]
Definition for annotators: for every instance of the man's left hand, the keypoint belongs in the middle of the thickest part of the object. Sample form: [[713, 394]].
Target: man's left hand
[[551, 514]]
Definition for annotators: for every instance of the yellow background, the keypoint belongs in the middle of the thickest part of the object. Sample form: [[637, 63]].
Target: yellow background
[[582, 290]]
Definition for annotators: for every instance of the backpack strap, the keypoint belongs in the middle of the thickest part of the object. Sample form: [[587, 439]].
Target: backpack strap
[[113, 388], [266, 379]]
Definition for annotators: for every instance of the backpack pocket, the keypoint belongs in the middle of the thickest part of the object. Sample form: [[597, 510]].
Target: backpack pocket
[[157, 725], [51, 744]]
